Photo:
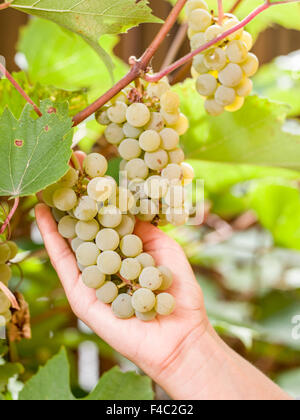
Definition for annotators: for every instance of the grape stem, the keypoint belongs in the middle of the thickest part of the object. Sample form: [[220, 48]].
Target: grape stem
[[176, 45], [5, 5], [158, 76], [19, 89], [10, 215], [220, 12]]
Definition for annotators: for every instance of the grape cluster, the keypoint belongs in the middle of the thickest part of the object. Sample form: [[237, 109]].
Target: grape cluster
[[95, 215], [8, 251], [146, 126], [222, 72]]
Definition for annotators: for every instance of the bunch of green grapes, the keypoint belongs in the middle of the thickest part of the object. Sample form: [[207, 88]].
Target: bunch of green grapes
[[222, 72], [96, 216], [8, 251], [146, 126]]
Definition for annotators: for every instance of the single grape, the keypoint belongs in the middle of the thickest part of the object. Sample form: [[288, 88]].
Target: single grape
[[199, 64], [244, 88], [187, 173], [238, 103], [170, 102], [48, 193], [130, 269], [231, 23], [87, 254], [199, 20], [148, 210], [175, 196], [137, 168], [215, 59], [130, 131], [110, 216], [225, 95], [92, 277], [95, 165], [143, 300], [107, 240], [129, 149], [206, 84], [172, 172], [157, 160], [64, 199], [156, 187], [156, 122], [100, 189], [57, 214], [66, 227], [109, 262], [122, 306], [165, 304], [170, 119], [212, 107], [75, 243], [87, 231], [247, 39], [131, 246], [197, 40], [4, 253], [4, 303], [86, 209], [13, 249], [250, 65], [117, 113], [212, 32], [125, 200], [146, 316], [107, 293], [102, 117], [195, 4], [121, 96], [126, 227], [151, 278], [146, 260], [138, 115], [114, 133], [182, 125], [156, 90], [176, 156], [236, 51], [149, 140], [5, 273], [69, 179], [231, 75], [169, 138], [177, 216], [167, 277]]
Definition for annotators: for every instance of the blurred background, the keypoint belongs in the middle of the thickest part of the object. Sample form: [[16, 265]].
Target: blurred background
[[246, 252]]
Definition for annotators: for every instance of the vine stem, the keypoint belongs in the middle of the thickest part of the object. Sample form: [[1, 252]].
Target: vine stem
[[19, 89], [138, 67], [5, 5], [10, 215], [221, 12], [158, 76], [176, 45]]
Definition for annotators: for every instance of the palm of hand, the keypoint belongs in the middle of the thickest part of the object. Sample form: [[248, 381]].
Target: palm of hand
[[150, 345]]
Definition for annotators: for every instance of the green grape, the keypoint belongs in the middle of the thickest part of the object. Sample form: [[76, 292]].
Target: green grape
[[206, 84], [7, 317], [177, 216], [173, 172], [100, 189], [188, 173], [114, 133], [4, 303], [130, 269], [109, 262], [146, 316], [131, 132], [117, 113], [146, 260], [69, 179], [143, 300], [199, 20], [87, 254], [126, 227], [86, 209], [215, 59], [197, 40], [244, 88], [122, 306], [75, 243], [156, 122], [87, 231], [66, 227], [64, 199], [231, 75], [170, 101], [212, 107], [151, 278], [170, 119], [157, 160], [176, 156], [236, 51], [231, 23], [110, 216], [156, 187], [131, 246], [167, 277], [92, 277], [175, 196], [225, 95], [156, 90], [95, 165], [107, 240], [199, 64], [121, 96], [13, 249], [169, 138], [165, 304], [138, 115], [48, 193], [125, 200], [250, 66], [5, 273], [129, 149], [149, 141], [182, 125], [102, 117], [107, 293], [213, 32], [247, 39], [148, 210], [195, 4], [4, 252], [137, 168], [57, 214]]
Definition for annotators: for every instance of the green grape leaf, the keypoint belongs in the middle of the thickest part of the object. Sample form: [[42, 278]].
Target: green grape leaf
[[34, 152], [255, 135], [11, 98], [79, 65], [7, 371], [113, 384], [91, 18]]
